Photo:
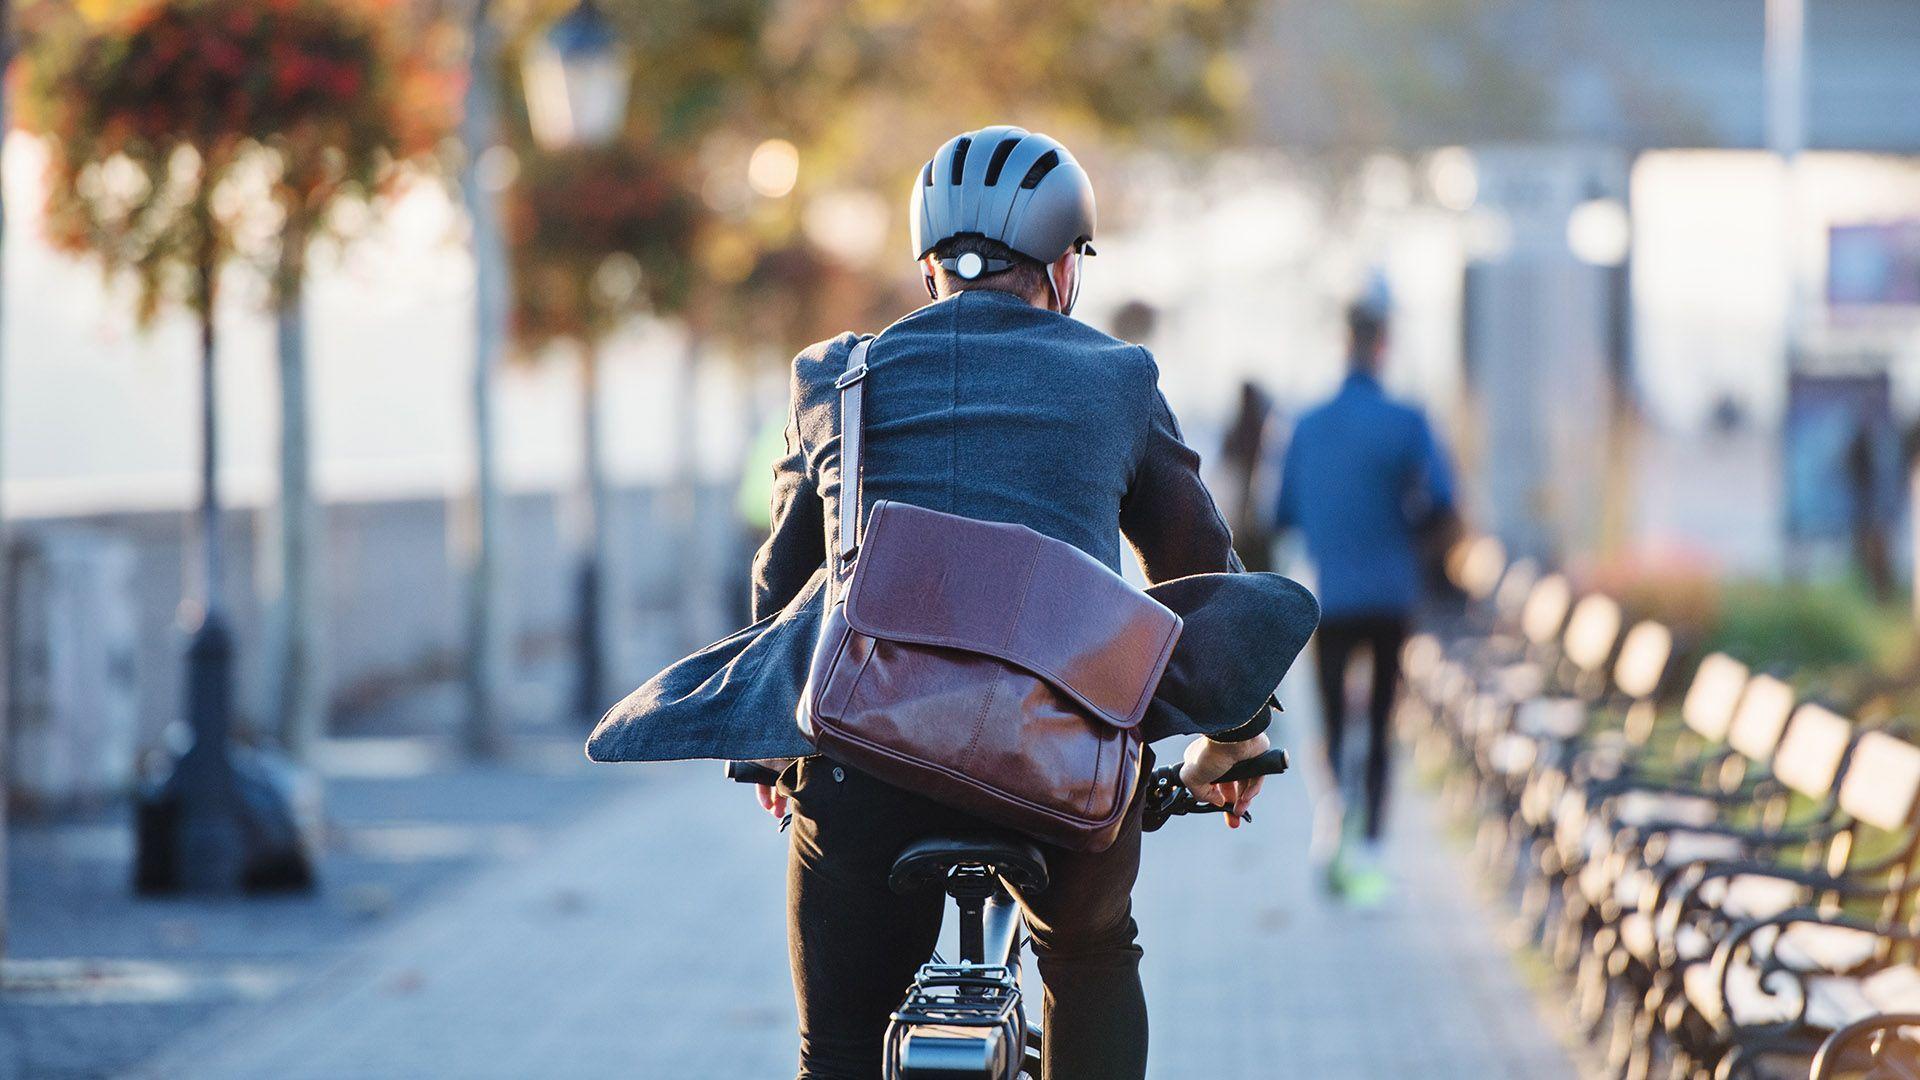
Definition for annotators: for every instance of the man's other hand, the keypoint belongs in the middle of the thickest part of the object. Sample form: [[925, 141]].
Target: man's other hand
[[1206, 761], [770, 798]]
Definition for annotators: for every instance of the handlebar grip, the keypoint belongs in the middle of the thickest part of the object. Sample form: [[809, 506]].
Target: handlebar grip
[[1271, 763], [751, 772]]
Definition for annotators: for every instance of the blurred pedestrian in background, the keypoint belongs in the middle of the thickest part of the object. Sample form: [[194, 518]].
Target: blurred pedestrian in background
[[1243, 462], [1364, 480]]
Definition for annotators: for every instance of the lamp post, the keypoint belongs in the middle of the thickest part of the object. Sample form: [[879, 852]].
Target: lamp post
[[577, 77], [221, 820]]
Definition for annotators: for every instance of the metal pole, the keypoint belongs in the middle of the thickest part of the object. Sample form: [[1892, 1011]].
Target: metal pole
[[487, 646], [1786, 129], [1786, 68], [1786, 119], [210, 591], [6, 63], [684, 499], [593, 611]]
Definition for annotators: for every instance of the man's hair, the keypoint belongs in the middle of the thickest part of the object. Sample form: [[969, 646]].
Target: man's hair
[[1026, 278], [1366, 326]]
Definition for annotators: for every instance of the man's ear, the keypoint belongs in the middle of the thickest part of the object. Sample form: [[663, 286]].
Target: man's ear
[[1064, 276], [927, 278]]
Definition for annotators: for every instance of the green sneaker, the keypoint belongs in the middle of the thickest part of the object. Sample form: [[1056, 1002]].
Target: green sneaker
[[1366, 888], [1363, 882]]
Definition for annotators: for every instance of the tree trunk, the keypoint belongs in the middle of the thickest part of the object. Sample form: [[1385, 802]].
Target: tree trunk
[[294, 572], [594, 612], [486, 638]]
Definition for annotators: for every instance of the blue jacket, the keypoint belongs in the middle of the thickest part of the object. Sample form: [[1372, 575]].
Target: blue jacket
[[986, 406], [1362, 474]]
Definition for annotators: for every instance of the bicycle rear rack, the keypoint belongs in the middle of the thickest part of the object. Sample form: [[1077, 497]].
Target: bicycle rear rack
[[958, 1021], [963, 995]]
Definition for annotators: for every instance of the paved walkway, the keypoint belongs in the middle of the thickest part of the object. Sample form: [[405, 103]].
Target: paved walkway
[[647, 941]]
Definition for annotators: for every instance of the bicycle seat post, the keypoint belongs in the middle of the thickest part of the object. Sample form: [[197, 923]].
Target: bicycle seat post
[[970, 884]]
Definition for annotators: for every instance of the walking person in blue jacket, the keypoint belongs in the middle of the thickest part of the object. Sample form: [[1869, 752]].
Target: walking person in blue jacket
[[1363, 479]]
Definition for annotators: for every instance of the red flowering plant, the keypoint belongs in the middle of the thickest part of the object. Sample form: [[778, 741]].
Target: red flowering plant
[[599, 234], [182, 131], [794, 294]]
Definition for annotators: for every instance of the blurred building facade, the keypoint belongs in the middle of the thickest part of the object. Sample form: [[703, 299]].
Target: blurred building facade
[[1559, 121]]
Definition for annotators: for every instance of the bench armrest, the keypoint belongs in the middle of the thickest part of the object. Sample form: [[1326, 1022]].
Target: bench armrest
[[1743, 933], [1827, 1062]]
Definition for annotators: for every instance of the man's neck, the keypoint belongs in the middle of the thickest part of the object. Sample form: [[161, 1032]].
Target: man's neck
[[1040, 303]]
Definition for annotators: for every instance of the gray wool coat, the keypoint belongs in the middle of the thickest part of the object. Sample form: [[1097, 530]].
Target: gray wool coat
[[985, 406]]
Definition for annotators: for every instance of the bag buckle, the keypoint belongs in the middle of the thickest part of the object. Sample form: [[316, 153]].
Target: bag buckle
[[850, 376]]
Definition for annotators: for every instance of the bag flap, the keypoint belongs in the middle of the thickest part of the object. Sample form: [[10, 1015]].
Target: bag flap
[[1006, 591]]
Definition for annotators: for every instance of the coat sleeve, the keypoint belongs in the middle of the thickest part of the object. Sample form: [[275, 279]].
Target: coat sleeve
[[1170, 519], [1168, 515], [797, 542]]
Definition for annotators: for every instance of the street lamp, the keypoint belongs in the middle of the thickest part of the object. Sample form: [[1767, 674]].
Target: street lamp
[[576, 77], [1599, 232]]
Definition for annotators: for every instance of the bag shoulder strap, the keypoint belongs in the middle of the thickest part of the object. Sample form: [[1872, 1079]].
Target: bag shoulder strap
[[852, 402]]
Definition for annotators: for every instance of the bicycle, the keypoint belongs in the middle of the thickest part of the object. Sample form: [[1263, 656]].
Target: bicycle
[[965, 1020]]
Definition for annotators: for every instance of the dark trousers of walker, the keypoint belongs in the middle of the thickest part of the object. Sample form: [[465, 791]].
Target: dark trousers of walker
[[855, 944], [1336, 643]]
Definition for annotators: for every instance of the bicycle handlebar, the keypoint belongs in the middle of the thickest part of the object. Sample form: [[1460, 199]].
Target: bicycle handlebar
[[1272, 763], [751, 772], [1166, 797]]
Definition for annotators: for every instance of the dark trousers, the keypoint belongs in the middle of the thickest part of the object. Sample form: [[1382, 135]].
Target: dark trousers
[[1335, 643], [855, 944]]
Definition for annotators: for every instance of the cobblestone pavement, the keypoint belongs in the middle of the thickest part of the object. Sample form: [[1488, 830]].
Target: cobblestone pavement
[[646, 940]]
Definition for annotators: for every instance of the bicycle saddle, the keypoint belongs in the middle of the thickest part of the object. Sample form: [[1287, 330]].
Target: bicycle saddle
[[927, 860]]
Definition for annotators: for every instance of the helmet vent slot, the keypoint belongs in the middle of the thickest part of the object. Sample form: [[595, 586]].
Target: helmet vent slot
[[960, 159], [999, 160], [1040, 169], [926, 175]]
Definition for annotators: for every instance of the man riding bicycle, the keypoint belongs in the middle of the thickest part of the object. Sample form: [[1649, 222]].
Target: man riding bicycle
[[993, 403]]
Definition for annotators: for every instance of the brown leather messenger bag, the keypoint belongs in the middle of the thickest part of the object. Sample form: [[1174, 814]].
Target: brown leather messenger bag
[[991, 668]]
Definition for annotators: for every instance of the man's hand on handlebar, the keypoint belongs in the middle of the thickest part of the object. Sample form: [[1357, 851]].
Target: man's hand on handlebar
[[1206, 761], [770, 798]]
